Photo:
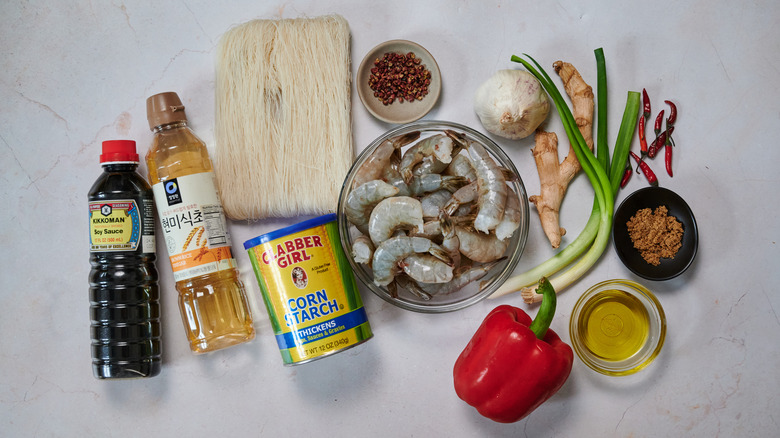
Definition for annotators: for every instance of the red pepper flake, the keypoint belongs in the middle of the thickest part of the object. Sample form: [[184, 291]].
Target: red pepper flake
[[399, 76]]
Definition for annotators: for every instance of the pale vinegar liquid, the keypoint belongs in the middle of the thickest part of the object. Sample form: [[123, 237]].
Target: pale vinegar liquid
[[614, 325], [213, 306]]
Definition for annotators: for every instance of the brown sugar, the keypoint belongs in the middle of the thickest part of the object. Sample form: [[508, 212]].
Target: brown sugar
[[655, 234]]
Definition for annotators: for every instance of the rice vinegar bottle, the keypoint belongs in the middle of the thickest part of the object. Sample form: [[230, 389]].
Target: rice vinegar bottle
[[212, 299]]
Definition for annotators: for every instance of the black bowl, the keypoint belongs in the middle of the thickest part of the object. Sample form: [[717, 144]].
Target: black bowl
[[654, 197]]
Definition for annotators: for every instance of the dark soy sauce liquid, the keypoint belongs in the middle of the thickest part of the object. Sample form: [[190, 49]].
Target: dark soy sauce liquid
[[123, 290]]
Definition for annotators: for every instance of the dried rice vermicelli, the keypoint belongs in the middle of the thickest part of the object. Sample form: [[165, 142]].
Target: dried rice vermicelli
[[283, 122]]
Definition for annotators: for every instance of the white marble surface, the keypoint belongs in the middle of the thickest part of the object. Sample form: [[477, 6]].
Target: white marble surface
[[75, 73]]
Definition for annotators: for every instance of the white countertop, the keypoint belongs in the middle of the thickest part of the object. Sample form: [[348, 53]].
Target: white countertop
[[76, 73]]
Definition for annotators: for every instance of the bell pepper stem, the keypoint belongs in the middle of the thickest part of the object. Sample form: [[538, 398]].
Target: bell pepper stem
[[546, 311]]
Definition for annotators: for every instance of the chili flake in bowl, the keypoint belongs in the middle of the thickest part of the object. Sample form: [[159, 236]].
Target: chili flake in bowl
[[655, 233], [398, 81]]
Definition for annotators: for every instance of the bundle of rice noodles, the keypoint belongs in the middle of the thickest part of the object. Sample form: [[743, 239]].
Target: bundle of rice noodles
[[283, 121]]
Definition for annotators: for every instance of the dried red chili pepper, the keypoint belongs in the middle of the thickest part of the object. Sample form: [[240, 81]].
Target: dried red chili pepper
[[671, 119], [659, 141], [668, 158], [672, 113], [645, 104], [626, 176], [649, 174], [642, 139], [659, 120]]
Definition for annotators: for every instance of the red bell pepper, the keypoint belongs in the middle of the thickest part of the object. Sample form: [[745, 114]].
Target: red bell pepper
[[512, 365]]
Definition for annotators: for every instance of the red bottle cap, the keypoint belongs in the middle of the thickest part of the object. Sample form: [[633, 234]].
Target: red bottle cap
[[119, 151]]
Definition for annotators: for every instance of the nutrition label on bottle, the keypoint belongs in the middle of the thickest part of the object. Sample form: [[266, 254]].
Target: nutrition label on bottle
[[194, 225]]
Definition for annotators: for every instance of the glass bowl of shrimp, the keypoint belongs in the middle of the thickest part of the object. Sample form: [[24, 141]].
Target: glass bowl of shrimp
[[433, 216]]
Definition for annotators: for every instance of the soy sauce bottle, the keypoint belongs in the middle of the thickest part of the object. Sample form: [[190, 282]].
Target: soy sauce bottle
[[123, 290]]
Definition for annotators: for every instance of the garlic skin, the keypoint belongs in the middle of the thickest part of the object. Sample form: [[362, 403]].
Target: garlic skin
[[511, 104]]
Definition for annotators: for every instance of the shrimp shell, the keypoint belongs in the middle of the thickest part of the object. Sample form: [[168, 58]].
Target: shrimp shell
[[512, 217], [362, 200], [438, 146], [464, 195], [480, 247], [492, 188], [362, 250], [379, 160], [393, 213], [461, 166], [391, 252], [412, 286], [460, 279], [433, 202], [426, 268]]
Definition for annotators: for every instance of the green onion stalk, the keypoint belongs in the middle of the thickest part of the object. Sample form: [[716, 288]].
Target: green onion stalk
[[604, 177]]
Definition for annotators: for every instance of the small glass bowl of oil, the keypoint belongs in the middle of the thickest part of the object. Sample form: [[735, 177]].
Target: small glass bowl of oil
[[617, 327]]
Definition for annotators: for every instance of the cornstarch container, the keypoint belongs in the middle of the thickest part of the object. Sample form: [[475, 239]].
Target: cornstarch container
[[309, 290]]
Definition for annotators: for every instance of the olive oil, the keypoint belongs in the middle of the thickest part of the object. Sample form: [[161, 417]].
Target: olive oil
[[614, 325]]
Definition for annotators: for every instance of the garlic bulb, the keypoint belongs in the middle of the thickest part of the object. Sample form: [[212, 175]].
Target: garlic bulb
[[511, 104]]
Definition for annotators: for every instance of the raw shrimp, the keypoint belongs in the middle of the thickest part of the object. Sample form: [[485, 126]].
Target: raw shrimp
[[362, 250], [438, 146], [460, 279], [426, 183], [379, 160], [411, 286], [431, 164], [392, 251], [450, 240], [393, 213], [434, 228], [492, 188], [461, 166], [433, 202], [480, 247], [464, 195], [426, 268], [512, 217], [433, 181], [362, 200]]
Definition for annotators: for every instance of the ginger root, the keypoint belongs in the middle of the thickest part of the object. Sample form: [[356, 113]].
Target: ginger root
[[554, 177]]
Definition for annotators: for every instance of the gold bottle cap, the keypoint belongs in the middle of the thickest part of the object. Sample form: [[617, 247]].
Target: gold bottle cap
[[164, 108]]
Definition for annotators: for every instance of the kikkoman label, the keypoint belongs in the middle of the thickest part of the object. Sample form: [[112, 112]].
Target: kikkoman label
[[114, 225], [309, 290]]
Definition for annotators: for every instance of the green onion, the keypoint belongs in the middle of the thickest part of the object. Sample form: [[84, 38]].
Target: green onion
[[603, 175]]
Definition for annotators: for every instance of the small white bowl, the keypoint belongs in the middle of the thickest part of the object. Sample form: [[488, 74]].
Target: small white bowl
[[398, 112]]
